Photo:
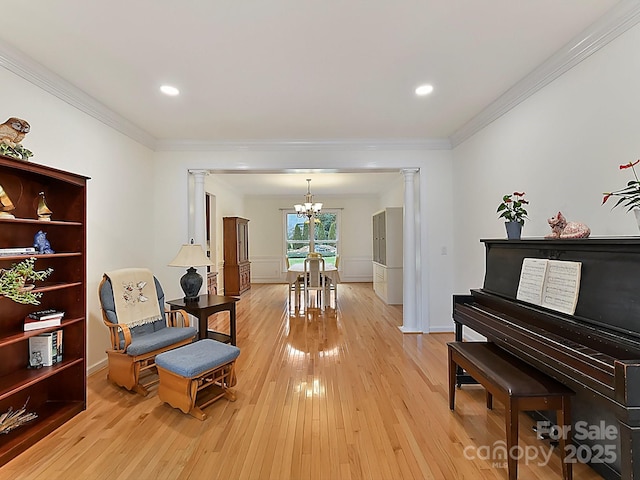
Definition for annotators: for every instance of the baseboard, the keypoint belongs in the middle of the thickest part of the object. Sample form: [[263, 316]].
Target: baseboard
[[442, 329], [96, 367]]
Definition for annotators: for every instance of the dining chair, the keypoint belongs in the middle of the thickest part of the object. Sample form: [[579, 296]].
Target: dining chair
[[333, 286], [296, 286], [315, 280]]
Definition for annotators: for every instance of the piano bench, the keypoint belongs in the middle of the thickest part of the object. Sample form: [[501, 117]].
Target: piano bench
[[518, 386]]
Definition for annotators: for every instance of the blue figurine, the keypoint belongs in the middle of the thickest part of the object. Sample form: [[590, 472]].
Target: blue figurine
[[41, 243]]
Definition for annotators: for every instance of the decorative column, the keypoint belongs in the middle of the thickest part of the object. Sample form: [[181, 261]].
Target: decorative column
[[409, 275], [199, 215]]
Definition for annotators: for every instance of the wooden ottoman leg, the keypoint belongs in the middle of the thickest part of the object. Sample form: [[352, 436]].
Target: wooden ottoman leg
[[195, 410], [230, 380], [177, 391]]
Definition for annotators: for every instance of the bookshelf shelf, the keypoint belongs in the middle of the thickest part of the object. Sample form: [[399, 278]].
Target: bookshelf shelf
[[26, 378], [49, 287], [21, 335], [19, 258], [40, 222], [55, 393]]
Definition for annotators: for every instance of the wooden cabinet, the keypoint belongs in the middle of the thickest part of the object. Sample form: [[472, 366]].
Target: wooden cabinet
[[237, 269], [387, 255], [56, 393]]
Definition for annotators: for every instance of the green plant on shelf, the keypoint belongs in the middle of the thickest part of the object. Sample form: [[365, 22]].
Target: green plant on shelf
[[18, 151], [14, 281]]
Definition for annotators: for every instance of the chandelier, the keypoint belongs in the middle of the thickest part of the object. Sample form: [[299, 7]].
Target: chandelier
[[308, 208]]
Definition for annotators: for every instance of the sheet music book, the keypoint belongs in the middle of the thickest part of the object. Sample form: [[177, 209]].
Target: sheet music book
[[553, 284]]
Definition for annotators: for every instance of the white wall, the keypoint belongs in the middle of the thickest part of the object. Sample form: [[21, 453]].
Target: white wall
[[394, 196], [437, 239], [562, 146], [119, 210]]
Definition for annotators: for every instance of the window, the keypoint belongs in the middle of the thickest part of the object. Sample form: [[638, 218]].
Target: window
[[326, 238]]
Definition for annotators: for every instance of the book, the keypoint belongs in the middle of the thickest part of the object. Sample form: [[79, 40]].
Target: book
[[33, 324], [554, 284], [45, 349], [46, 314], [5, 252]]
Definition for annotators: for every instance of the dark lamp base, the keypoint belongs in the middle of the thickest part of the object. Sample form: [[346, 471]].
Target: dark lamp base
[[191, 283]]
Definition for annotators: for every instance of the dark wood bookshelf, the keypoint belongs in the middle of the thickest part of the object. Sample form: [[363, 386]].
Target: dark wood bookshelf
[[57, 393]]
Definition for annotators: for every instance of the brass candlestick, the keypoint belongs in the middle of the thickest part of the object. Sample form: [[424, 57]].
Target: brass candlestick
[[43, 211]]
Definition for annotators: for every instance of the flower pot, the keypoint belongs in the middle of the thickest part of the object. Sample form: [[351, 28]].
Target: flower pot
[[514, 229]]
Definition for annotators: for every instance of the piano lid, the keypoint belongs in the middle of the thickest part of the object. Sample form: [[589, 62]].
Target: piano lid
[[609, 294]]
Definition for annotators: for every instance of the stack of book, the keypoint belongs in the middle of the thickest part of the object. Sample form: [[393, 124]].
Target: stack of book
[[45, 349], [43, 319]]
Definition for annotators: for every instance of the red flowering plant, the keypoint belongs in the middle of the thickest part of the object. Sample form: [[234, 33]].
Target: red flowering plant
[[512, 208], [629, 195]]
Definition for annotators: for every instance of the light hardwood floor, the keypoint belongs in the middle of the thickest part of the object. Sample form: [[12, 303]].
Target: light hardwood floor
[[341, 395]]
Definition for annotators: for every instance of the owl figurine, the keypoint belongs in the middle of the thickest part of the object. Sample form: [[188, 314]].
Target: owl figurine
[[13, 131]]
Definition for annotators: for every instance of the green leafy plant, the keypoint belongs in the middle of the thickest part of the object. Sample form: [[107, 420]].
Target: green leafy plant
[[629, 195], [18, 151], [13, 282], [512, 208]]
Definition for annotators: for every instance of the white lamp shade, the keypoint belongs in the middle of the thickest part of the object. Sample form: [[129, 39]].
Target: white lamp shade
[[191, 255]]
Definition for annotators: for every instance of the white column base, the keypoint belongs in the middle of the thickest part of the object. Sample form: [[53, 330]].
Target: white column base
[[404, 329]]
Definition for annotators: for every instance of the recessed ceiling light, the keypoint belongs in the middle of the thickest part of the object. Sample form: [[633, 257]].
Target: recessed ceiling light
[[423, 90], [169, 90]]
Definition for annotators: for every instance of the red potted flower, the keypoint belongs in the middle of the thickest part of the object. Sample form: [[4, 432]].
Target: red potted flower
[[513, 211]]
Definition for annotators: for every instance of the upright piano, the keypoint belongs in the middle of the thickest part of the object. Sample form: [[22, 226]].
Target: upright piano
[[595, 351]]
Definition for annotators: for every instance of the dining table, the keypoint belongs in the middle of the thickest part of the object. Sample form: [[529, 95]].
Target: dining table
[[297, 269]]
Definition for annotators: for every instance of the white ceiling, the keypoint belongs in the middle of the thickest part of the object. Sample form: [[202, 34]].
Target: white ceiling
[[282, 70]]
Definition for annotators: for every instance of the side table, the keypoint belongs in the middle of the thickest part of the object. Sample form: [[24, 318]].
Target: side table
[[203, 308]]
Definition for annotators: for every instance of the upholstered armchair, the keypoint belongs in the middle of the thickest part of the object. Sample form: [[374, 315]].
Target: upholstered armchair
[[134, 346]]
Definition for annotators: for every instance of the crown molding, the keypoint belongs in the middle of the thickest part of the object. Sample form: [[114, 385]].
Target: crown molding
[[20, 64], [320, 145], [615, 22]]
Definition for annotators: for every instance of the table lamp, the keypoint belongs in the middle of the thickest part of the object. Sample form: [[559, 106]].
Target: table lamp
[[190, 256]]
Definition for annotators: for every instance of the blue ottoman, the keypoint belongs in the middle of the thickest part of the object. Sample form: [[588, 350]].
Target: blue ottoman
[[186, 371]]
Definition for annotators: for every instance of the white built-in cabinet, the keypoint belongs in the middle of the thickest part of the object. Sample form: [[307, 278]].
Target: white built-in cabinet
[[387, 255]]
